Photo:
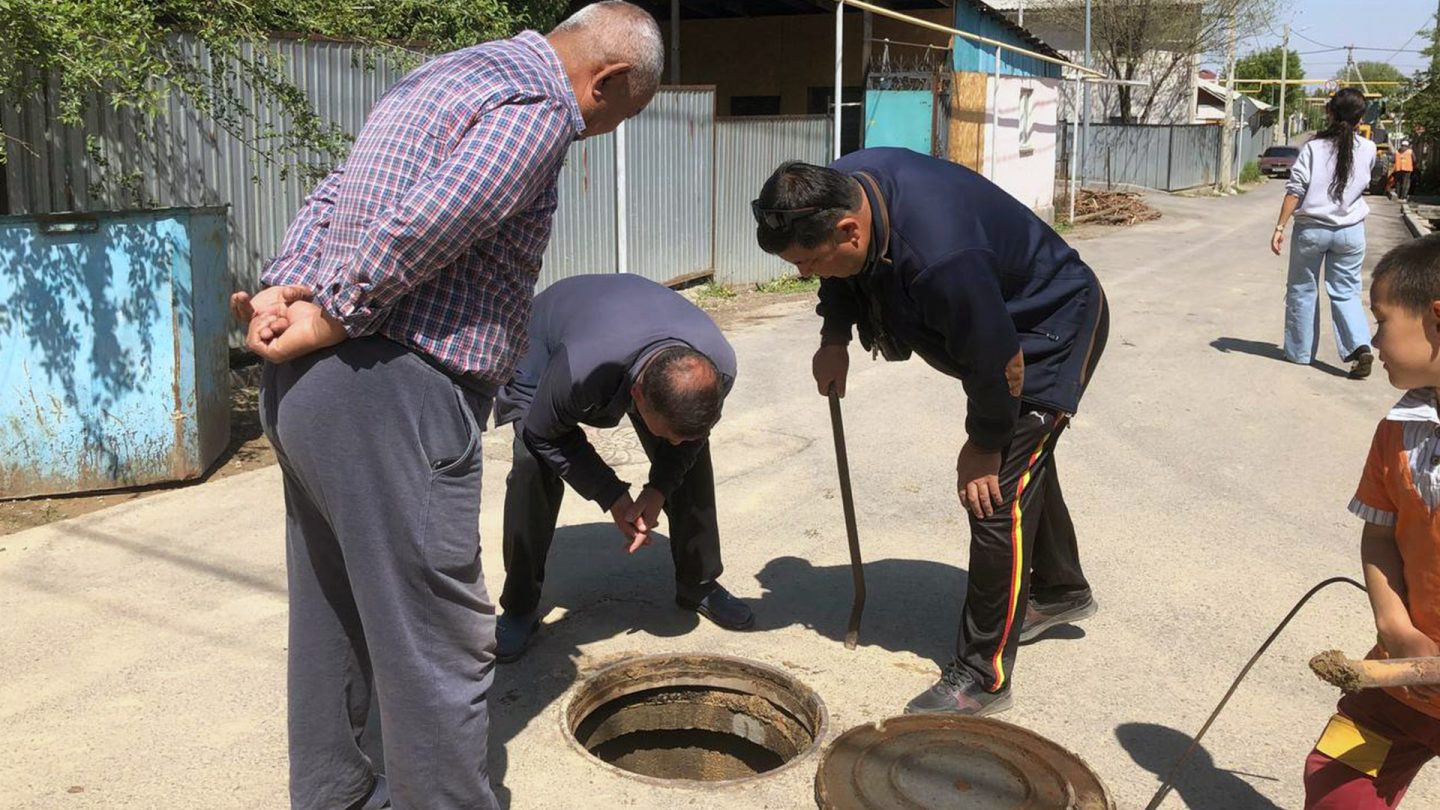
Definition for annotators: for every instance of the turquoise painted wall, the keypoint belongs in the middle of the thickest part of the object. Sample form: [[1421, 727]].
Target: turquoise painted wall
[[899, 118], [973, 57]]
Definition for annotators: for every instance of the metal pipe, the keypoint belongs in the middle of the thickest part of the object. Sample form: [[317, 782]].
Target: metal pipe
[[966, 35], [1284, 64], [1074, 154], [622, 229], [852, 535], [1085, 101], [839, 73], [995, 118]]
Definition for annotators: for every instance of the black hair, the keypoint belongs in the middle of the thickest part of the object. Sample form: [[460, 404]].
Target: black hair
[[796, 185], [1346, 108], [1411, 273], [689, 403]]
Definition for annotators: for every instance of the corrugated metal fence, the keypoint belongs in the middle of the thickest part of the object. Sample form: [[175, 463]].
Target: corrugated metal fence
[[670, 185], [182, 158], [1165, 157], [747, 150], [688, 178]]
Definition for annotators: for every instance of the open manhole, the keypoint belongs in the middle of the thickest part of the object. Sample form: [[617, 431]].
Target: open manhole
[[695, 718]]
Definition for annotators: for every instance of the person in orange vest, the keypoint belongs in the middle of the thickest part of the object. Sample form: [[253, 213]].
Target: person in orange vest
[[1404, 166]]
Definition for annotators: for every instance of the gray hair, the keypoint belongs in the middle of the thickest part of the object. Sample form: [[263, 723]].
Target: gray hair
[[616, 31]]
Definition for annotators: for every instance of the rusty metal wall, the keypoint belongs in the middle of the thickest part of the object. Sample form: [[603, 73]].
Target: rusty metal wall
[[747, 150], [670, 186], [182, 158]]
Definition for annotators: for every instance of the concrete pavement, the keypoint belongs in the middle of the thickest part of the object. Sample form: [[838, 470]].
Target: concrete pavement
[[142, 652]]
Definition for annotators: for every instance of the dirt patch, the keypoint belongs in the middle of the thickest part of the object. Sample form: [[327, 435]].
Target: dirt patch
[[736, 307], [248, 450], [1334, 669]]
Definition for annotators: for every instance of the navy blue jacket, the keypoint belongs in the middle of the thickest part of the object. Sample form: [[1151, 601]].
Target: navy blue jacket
[[590, 336], [966, 276]]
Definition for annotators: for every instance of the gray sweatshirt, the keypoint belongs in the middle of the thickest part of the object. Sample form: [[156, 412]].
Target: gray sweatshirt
[[1310, 181]]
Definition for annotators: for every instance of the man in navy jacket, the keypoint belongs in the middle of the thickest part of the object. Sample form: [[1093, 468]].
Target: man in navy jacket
[[927, 256], [602, 348]]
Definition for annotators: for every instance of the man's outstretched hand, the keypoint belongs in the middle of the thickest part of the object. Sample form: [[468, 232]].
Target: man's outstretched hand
[[645, 512], [621, 512]]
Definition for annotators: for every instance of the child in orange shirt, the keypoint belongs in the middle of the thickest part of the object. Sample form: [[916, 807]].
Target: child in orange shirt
[[1379, 739]]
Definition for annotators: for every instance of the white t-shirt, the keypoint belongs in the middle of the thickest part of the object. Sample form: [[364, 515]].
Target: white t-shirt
[[1310, 181]]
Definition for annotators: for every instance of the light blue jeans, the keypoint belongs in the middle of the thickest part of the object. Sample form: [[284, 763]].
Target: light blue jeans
[[1342, 252]]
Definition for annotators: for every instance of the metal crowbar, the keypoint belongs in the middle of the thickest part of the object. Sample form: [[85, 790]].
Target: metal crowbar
[[847, 499]]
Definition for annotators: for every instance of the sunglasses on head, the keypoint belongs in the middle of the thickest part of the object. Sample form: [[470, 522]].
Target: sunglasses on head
[[780, 219]]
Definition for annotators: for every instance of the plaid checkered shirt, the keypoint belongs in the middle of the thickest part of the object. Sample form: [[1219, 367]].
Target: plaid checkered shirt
[[432, 231]]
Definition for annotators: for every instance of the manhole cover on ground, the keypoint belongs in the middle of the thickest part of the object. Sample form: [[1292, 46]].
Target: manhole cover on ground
[[695, 718], [928, 762]]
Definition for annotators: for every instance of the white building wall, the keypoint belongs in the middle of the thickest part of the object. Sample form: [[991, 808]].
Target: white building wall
[[1027, 172]]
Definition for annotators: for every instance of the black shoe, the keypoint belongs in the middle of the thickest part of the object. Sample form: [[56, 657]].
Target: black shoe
[[379, 798], [1364, 360], [957, 693], [513, 632], [1039, 618], [722, 608]]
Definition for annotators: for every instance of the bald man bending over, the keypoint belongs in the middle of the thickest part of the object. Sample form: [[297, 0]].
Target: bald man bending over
[[601, 348]]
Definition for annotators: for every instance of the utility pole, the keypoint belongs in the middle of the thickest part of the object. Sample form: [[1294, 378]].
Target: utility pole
[[1351, 67], [1085, 94], [1227, 133], [1284, 86]]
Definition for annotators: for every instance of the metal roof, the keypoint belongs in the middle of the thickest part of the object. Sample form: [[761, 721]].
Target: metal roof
[[720, 9]]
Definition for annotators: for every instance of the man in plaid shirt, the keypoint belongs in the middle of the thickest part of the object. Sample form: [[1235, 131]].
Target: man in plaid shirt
[[397, 306]]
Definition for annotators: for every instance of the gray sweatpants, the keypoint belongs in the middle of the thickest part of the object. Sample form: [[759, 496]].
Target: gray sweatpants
[[381, 459]]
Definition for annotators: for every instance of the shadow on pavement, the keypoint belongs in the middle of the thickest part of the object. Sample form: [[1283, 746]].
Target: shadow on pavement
[[1201, 784], [910, 606], [605, 593], [1270, 351]]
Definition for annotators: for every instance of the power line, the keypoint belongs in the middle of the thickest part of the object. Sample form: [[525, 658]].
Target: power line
[[1317, 42]]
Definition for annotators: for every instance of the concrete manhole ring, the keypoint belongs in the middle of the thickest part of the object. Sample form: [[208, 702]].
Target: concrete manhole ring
[[694, 720]]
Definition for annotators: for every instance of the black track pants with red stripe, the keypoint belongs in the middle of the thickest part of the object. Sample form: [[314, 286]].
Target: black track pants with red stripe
[[1028, 542]]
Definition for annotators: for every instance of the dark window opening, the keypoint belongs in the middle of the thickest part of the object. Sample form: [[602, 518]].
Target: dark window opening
[[817, 102], [754, 105]]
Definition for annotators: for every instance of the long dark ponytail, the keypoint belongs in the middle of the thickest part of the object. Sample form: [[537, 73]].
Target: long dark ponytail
[[1346, 108]]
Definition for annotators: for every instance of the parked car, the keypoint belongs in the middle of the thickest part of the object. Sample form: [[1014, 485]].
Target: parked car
[[1277, 160]]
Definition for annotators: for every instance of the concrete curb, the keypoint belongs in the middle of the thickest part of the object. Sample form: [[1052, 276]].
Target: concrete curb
[[1418, 227]]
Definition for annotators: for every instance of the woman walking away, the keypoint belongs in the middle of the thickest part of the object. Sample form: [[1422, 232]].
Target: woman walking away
[[1323, 195]]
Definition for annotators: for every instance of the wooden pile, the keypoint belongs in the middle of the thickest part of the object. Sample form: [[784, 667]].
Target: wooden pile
[[1111, 208]]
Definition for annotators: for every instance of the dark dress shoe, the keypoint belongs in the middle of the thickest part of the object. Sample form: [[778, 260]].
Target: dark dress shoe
[[722, 608]]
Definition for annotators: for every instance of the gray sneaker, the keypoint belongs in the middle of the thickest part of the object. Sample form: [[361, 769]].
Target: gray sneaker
[[513, 633], [957, 693], [1039, 618]]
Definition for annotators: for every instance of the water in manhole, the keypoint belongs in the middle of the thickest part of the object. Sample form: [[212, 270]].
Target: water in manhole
[[695, 718]]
